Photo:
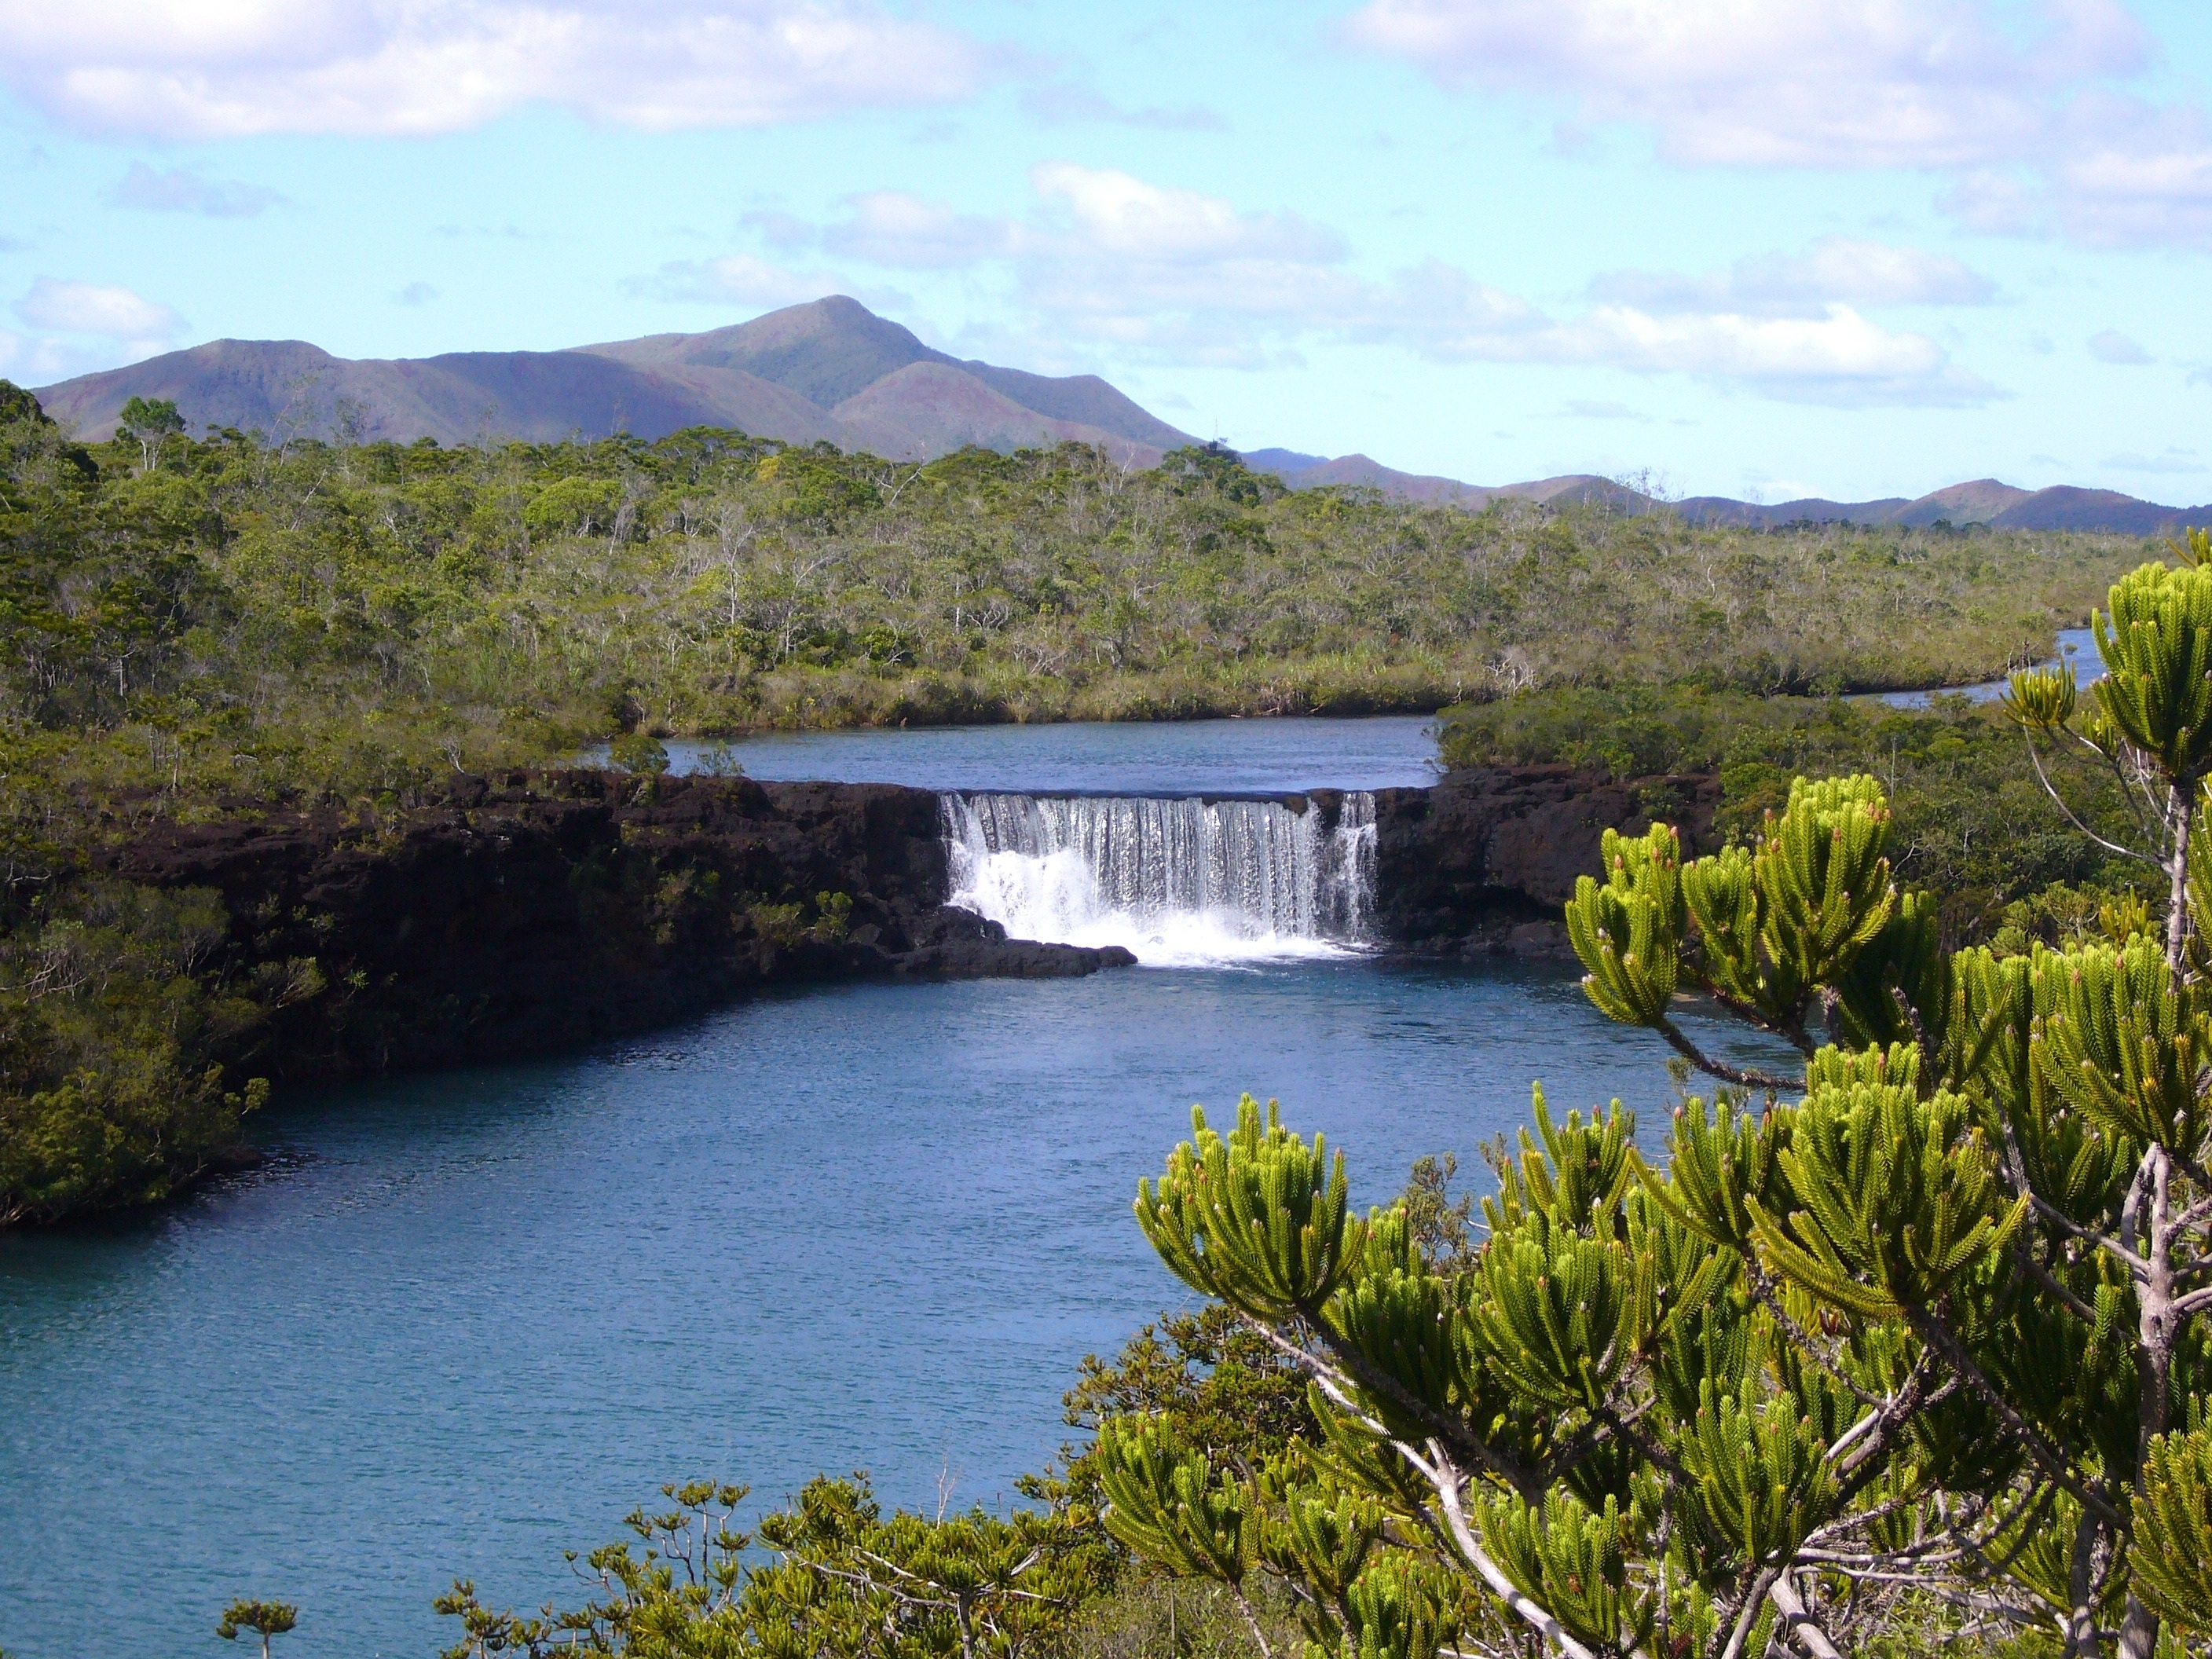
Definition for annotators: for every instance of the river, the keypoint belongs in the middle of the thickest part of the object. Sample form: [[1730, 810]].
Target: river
[[464, 1322]]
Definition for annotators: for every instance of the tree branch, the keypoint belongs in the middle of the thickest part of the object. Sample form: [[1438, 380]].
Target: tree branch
[[1450, 1487], [1798, 1620], [1725, 1072], [1933, 1332]]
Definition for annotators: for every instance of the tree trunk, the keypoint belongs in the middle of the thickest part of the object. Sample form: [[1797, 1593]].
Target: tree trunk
[[2080, 1590], [2155, 1335], [2178, 813]]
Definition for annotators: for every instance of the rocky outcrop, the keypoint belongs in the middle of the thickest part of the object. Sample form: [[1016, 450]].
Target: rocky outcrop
[[539, 911], [1483, 861]]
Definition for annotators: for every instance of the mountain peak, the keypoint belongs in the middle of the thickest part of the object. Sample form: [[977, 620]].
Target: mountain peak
[[790, 373]]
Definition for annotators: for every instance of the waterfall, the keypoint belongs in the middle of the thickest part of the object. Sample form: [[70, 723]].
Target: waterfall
[[1180, 883]]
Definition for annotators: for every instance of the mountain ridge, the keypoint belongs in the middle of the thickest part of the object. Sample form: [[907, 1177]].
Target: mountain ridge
[[1982, 501], [828, 371], [832, 371]]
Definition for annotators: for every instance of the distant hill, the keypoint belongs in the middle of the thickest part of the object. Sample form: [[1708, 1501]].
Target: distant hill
[[830, 369], [1985, 500]]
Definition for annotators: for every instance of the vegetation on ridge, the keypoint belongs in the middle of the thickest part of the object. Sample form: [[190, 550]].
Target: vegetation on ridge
[[199, 626]]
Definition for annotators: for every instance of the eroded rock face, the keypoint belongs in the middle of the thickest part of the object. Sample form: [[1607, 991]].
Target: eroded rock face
[[539, 911], [1484, 860]]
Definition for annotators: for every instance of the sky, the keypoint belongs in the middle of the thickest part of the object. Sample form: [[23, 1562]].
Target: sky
[[1765, 248]]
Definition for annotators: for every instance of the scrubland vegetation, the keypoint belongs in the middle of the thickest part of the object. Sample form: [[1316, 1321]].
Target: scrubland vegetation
[[197, 627]]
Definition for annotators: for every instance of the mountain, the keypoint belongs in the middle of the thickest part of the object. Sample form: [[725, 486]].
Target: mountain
[[1984, 501], [830, 370]]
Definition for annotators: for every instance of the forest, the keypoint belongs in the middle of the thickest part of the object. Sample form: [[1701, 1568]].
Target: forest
[[202, 628], [220, 612]]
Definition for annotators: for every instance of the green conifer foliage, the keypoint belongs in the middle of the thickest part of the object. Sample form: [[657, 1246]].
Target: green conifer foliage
[[1917, 1315]]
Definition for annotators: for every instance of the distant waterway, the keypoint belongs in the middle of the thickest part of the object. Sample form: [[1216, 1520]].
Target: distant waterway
[[1276, 755], [2077, 646]]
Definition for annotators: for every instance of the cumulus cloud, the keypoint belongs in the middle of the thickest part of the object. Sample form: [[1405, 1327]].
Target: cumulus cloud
[[82, 326], [1169, 274], [1120, 214], [2111, 346], [739, 279], [178, 68], [2018, 106], [96, 308], [891, 228], [1837, 357], [180, 191], [1790, 82], [1834, 269]]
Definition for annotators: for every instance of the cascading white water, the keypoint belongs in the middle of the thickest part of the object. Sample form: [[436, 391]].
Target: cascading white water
[[1179, 883]]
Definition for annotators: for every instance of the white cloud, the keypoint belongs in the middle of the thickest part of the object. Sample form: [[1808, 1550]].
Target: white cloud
[[891, 228], [180, 191], [84, 327], [1164, 274], [198, 69], [1790, 82], [1837, 356], [741, 279], [2111, 346], [1117, 213], [1835, 269], [94, 308], [2018, 103]]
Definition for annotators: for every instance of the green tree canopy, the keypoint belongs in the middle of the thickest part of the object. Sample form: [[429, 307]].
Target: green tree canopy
[[1921, 1321]]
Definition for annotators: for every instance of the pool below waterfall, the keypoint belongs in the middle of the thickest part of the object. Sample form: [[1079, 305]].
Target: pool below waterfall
[[462, 1322]]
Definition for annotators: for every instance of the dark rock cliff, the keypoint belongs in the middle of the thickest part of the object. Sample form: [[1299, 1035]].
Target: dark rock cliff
[[539, 911], [1484, 860]]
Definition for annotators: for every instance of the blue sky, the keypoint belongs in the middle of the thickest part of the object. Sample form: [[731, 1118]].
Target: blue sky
[[1770, 247]]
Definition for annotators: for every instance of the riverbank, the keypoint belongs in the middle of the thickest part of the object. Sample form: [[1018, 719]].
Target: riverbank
[[214, 960], [538, 911]]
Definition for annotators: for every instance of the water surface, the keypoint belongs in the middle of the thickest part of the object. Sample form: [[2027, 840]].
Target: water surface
[[2077, 646], [1117, 757], [470, 1320]]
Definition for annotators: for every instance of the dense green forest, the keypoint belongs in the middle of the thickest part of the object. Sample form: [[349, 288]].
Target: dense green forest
[[198, 626], [220, 612]]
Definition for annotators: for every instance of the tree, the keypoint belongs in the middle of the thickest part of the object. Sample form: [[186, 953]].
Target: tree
[[264, 1619], [151, 422], [1924, 1327], [833, 1577]]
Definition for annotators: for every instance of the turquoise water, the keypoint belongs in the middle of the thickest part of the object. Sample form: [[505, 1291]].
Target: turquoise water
[[466, 1321]]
